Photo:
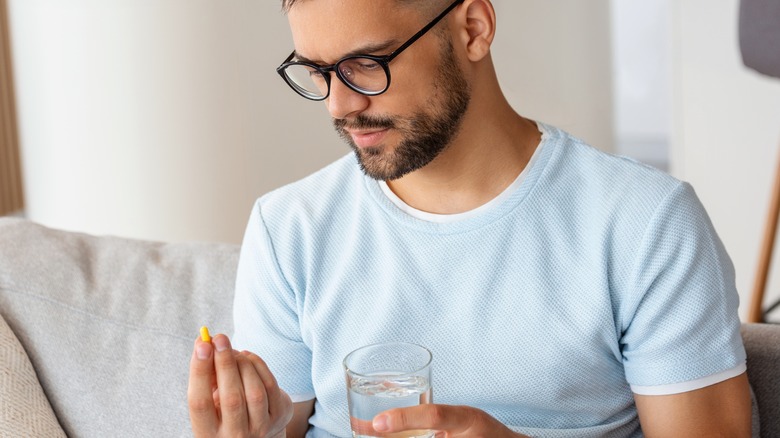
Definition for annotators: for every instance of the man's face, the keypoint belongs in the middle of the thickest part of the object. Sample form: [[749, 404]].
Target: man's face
[[408, 126]]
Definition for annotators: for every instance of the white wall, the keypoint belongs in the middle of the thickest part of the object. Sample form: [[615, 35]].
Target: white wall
[[727, 130], [642, 77], [165, 119], [148, 118], [554, 62]]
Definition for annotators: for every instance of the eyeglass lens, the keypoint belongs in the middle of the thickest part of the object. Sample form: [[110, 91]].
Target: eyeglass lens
[[363, 74]]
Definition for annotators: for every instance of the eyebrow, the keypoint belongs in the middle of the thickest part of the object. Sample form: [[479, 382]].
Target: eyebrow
[[364, 50]]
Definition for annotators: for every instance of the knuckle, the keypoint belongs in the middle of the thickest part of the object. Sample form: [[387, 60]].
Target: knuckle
[[435, 414], [256, 396], [403, 418], [199, 405], [231, 401]]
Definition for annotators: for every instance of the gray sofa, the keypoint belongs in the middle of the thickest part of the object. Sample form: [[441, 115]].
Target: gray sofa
[[108, 325], [96, 333]]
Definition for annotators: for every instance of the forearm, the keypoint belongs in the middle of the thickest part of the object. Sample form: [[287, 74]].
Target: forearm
[[299, 425]]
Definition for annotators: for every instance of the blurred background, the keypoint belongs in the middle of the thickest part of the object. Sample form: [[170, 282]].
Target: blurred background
[[165, 119]]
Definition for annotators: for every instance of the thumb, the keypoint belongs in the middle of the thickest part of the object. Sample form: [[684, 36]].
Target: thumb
[[424, 417]]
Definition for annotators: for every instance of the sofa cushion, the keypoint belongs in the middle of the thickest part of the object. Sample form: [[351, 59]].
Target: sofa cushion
[[25, 411], [762, 343], [109, 323]]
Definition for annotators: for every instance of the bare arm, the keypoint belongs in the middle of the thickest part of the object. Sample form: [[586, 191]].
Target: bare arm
[[720, 410], [299, 424]]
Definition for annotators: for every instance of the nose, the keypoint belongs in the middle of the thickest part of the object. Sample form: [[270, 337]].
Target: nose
[[344, 101]]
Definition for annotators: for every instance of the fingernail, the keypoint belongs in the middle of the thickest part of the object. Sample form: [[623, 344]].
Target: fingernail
[[221, 343], [203, 350], [380, 423]]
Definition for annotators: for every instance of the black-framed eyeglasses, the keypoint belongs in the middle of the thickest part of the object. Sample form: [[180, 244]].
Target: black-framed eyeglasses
[[365, 74]]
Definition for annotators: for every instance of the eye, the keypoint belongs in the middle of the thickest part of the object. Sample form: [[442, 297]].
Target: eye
[[314, 74], [347, 71], [369, 66]]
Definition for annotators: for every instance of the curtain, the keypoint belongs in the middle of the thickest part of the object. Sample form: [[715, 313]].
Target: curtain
[[11, 197]]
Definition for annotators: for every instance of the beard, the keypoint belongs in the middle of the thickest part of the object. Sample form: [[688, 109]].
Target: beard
[[424, 135]]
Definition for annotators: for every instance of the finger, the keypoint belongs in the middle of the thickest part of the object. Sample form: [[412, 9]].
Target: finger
[[215, 392], [203, 415], [254, 390], [453, 419], [279, 403], [363, 427], [229, 385]]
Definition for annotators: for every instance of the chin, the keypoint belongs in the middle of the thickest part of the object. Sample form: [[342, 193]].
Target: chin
[[371, 151]]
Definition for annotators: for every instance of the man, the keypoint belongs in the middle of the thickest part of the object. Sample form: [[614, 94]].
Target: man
[[563, 292]]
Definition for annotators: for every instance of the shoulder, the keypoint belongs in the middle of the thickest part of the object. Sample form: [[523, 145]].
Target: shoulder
[[321, 200], [631, 212], [585, 167], [330, 185], [602, 186]]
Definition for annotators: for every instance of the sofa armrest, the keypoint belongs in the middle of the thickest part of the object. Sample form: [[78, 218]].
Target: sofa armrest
[[108, 323], [762, 343]]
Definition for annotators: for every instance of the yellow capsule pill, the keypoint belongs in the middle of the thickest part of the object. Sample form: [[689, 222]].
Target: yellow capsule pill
[[204, 334]]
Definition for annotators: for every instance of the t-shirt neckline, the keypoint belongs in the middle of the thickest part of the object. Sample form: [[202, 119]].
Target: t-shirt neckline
[[466, 215]]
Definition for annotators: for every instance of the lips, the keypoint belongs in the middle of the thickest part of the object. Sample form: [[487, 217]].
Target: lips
[[368, 139]]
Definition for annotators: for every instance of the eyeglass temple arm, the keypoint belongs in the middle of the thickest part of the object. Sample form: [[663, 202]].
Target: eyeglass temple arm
[[422, 31]]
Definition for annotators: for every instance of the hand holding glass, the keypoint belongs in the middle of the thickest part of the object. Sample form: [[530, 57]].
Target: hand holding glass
[[386, 376]]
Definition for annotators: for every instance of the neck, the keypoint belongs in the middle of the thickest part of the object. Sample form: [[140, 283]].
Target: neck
[[492, 147]]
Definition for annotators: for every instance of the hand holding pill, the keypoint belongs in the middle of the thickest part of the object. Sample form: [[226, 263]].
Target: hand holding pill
[[233, 393]]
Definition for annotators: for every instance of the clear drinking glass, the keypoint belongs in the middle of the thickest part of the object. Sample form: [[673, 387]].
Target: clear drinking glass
[[386, 376]]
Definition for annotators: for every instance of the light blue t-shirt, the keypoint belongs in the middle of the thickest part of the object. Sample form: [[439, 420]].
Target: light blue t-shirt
[[594, 275]]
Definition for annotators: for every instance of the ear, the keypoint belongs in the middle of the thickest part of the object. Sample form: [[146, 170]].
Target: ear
[[480, 28]]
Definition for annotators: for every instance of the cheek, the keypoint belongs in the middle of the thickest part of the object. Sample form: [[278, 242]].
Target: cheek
[[414, 73], [406, 97], [413, 84]]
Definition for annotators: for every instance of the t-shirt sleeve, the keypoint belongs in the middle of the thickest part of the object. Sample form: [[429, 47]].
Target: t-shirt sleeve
[[680, 321], [265, 312]]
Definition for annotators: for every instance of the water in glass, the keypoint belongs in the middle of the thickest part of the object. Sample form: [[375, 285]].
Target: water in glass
[[370, 395]]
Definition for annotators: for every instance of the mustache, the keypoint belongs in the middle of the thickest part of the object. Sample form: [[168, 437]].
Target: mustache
[[363, 122]]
